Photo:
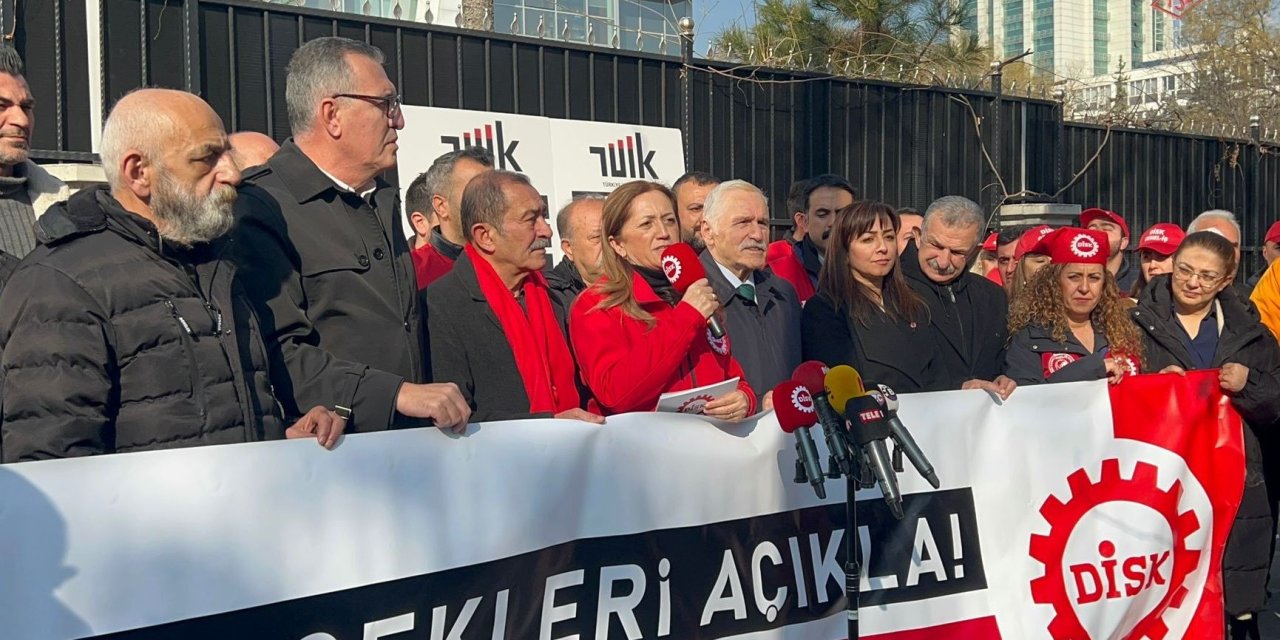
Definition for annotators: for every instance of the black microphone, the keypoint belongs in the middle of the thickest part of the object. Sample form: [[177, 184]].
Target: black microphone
[[907, 444], [868, 430], [681, 265], [812, 375], [794, 407]]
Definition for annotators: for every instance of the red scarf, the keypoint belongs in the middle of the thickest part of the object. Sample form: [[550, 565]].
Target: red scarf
[[542, 355]]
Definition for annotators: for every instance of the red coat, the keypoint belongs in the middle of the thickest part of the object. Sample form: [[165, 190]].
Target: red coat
[[429, 265], [785, 264], [627, 365]]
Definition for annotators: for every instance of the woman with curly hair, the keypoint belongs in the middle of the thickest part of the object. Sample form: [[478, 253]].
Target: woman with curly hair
[[1068, 324]]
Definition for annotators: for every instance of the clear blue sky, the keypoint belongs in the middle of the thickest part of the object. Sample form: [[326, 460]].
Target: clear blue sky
[[711, 16]]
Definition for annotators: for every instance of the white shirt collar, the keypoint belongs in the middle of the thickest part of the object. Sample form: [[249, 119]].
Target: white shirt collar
[[342, 186], [733, 280]]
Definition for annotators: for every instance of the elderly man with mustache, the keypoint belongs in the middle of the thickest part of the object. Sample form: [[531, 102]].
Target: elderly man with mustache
[[493, 330], [968, 314], [762, 311]]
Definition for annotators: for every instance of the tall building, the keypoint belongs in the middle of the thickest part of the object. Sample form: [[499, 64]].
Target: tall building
[[634, 25], [1089, 46]]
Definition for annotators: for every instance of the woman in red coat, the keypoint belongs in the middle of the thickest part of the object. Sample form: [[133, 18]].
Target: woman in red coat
[[635, 337]]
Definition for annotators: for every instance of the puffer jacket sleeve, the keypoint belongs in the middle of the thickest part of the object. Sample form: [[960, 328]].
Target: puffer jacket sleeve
[[57, 367], [1259, 401]]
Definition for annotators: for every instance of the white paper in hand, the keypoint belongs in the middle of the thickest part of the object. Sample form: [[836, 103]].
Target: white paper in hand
[[693, 400]]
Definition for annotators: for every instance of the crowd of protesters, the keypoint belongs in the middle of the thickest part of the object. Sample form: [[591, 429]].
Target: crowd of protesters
[[224, 289]]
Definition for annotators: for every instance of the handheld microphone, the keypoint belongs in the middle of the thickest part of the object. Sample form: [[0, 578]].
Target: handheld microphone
[[794, 406], [681, 265], [868, 429], [811, 375], [907, 444]]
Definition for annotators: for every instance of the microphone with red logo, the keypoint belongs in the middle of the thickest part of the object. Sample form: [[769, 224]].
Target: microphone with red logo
[[812, 375], [794, 407], [681, 265], [906, 444], [868, 429]]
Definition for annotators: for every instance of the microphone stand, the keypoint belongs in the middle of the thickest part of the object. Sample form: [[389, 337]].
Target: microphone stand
[[852, 552]]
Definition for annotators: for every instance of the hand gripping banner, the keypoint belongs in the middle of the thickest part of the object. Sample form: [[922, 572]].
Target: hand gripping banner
[[1070, 511]]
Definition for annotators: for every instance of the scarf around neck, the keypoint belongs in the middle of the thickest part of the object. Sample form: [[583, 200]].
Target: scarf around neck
[[541, 353]]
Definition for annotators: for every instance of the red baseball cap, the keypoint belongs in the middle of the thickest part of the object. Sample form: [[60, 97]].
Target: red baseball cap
[[1273, 233], [1033, 241], [990, 244], [1089, 215], [1162, 238], [995, 276], [1079, 246]]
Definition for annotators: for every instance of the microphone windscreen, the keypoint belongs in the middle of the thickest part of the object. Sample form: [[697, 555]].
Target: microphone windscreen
[[681, 265], [842, 384], [794, 406], [812, 375]]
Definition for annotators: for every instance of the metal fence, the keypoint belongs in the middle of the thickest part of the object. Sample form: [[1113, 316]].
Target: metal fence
[[901, 143]]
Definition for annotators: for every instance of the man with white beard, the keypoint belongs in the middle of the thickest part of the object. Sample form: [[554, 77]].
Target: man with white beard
[[125, 329]]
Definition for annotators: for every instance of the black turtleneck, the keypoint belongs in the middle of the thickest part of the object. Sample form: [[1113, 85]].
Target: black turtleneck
[[661, 286], [443, 246]]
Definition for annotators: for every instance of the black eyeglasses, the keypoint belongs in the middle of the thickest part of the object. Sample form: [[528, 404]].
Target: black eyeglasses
[[390, 106]]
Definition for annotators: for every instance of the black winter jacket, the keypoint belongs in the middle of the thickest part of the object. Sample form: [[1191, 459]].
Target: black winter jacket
[[1243, 340], [969, 320], [891, 352], [114, 341], [1034, 357], [565, 283], [335, 286]]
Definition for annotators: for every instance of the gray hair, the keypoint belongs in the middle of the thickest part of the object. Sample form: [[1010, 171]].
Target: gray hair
[[956, 211], [712, 206], [439, 176], [318, 70], [563, 228], [485, 202], [141, 130], [10, 61], [1213, 214]]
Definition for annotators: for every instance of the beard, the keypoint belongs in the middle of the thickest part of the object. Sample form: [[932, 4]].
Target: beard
[[13, 154], [187, 219]]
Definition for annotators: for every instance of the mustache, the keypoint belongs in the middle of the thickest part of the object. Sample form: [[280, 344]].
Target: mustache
[[540, 243], [946, 271], [753, 244]]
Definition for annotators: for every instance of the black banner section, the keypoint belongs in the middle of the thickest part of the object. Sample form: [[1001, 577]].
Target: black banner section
[[690, 583]]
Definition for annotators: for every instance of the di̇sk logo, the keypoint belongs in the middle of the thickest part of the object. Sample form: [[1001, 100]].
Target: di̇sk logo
[[801, 400], [719, 345], [671, 267], [695, 404], [1116, 549], [1084, 246], [1054, 362]]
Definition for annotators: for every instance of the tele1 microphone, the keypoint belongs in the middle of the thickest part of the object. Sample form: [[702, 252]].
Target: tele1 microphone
[[907, 444], [794, 407], [812, 375], [868, 429], [681, 265]]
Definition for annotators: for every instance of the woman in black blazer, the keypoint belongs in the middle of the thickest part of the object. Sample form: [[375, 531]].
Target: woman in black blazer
[[865, 314]]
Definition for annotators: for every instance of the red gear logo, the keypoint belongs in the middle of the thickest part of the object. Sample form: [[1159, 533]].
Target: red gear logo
[[719, 345], [694, 404], [671, 267], [1054, 362], [1051, 588]]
